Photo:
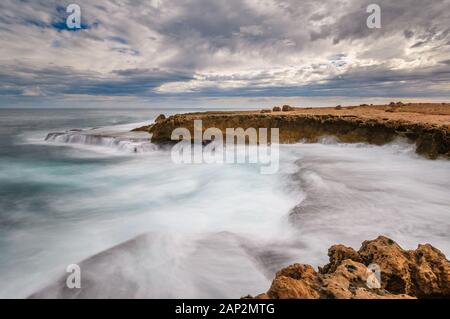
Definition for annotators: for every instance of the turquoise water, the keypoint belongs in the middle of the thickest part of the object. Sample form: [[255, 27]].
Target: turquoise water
[[63, 203]]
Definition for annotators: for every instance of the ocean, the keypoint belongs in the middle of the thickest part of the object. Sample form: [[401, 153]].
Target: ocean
[[216, 230]]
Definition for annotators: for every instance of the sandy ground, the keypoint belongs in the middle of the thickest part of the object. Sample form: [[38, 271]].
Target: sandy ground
[[437, 114], [430, 113]]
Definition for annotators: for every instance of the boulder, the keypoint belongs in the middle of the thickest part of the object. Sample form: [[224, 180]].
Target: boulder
[[160, 118], [295, 282], [337, 254], [431, 274], [424, 272], [349, 281], [287, 108], [277, 109], [420, 273], [392, 259]]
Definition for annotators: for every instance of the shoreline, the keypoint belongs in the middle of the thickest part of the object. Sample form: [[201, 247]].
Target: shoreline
[[285, 285], [380, 269], [425, 124]]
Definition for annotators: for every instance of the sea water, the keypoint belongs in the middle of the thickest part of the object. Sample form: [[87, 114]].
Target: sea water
[[217, 230]]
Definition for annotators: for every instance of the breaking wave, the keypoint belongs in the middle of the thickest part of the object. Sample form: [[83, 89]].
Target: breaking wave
[[145, 227], [129, 142]]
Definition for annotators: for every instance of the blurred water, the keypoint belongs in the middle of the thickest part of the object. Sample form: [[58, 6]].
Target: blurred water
[[216, 230]]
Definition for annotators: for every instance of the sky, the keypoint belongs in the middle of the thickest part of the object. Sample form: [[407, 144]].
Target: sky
[[222, 52]]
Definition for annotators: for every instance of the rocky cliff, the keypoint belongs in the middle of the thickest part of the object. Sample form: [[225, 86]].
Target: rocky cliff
[[374, 125]]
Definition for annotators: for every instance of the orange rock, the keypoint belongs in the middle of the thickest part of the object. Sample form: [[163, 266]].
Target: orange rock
[[430, 131], [420, 273], [337, 254], [431, 272], [295, 282], [424, 272], [393, 261]]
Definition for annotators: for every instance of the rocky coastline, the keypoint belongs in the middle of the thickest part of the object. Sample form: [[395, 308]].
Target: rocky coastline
[[423, 273], [426, 125]]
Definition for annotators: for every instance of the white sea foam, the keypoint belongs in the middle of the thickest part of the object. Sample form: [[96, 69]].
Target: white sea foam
[[129, 143], [223, 230], [117, 139]]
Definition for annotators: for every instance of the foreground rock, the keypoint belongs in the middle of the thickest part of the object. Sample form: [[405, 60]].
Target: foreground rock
[[420, 273], [426, 125]]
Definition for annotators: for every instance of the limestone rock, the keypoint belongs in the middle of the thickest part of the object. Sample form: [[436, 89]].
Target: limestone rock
[[349, 281], [347, 125], [295, 282], [287, 108], [337, 254], [160, 118], [424, 272], [420, 273], [393, 261]]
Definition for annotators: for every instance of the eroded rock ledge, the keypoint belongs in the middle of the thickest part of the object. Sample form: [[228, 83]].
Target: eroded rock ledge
[[421, 124], [420, 273]]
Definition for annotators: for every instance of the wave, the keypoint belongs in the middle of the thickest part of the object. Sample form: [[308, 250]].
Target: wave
[[164, 266], [217, 231], [127, 142]]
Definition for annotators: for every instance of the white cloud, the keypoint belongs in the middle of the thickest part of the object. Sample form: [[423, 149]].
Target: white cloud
[[224, 45]]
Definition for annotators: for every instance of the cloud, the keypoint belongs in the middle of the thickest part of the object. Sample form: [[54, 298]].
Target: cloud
[[54, 81], [168, 48]]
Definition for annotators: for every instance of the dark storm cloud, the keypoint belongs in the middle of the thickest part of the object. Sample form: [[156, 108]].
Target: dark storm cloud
[[425, 17], [224, 48], [364, 82], [55, 81]]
